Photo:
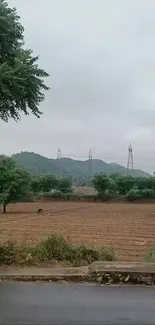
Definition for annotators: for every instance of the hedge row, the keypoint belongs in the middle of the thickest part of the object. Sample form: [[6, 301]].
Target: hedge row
[[132, 195]]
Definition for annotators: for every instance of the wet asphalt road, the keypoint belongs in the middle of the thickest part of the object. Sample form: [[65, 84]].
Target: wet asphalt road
[[68, 304]]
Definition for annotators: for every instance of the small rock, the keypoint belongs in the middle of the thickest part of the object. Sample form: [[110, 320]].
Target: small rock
[[99, 279], [107, 275], [110, 281], [127, 278]]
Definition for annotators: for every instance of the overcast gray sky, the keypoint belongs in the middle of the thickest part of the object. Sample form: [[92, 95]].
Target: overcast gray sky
[[101, 58]]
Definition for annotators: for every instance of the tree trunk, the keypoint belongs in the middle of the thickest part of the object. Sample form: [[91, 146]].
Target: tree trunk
[[4, 208]]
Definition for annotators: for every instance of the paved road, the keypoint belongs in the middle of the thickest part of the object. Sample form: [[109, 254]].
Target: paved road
[[67, 304]]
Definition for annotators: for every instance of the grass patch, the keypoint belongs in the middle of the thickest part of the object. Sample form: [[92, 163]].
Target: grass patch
[[150, 256], [54, 248], [8, 253]]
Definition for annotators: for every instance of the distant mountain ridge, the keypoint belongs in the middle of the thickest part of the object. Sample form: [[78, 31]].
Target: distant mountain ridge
[[76, 169]]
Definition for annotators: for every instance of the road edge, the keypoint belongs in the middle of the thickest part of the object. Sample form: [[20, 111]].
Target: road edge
[[97, 272]]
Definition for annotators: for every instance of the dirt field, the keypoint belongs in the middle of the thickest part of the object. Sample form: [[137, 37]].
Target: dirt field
[[129, 228], [84, 190]]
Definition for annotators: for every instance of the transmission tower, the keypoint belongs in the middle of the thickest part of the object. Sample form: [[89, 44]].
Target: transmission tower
[[130, 166], [59, 153], [90, 159]]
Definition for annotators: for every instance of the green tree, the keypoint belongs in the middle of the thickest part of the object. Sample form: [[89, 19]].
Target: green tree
[[36, 184], [65, 185], [114, 175], [101, 183], [112, 188], [133, 194], [124, 184], [141, 183], [147, 193], [14, 182], [22, 84], [48, 183], [150, 183], [144, 183]]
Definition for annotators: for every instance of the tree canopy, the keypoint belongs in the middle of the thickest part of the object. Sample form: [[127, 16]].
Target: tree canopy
[[14, 182], [133, 188], [22, 86]]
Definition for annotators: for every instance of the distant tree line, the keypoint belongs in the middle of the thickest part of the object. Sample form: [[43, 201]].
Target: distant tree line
[[133, 188], [17, 185]]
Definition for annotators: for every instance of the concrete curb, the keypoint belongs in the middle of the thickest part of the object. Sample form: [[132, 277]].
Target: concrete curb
[[70, 274], [98, 272]]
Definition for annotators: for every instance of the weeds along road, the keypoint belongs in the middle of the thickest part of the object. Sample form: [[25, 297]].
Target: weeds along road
[[69, 304]]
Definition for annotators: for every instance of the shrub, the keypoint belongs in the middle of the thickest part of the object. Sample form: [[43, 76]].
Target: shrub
[[28, 197], [133, 195], [50, 195], [104, 196], [54, 248], [150, 256], [57, 248], [147, 193], [90, 196], [108, 253], [7, 252], [56, 194]]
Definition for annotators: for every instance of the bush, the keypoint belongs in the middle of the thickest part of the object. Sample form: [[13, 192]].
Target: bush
[[54, 248], [7, 252], [56, 194], [50, 195], [89, 196], [104, 196], [147, 193], [150, 256], [28, 197], [57, 248], [133, 195]]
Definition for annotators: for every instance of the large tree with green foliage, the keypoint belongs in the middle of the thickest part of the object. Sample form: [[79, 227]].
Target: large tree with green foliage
[[65, 185], [21, 80], [48, 183], [104, 184], [14, 182], [124, 184], [101, 183]]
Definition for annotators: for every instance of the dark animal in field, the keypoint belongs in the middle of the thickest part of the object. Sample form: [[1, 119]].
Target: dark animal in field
[[40, 211]]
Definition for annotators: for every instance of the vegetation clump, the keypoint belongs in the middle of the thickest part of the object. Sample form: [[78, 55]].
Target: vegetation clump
[[150, 256], [54, 249]]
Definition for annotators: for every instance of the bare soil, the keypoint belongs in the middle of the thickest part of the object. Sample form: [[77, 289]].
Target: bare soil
[[129, 228], [84, 190]]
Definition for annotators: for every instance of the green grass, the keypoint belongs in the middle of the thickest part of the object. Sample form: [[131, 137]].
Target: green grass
[[54, 249], [150, 256]]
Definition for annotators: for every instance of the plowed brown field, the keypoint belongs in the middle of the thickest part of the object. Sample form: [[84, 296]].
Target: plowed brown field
[[129, 228]]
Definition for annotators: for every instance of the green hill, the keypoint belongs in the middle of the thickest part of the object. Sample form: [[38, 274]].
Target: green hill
[[76, 169]]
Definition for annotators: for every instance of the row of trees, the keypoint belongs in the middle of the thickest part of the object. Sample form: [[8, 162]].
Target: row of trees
[[48, 183], [15, 183], [131, 187]]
